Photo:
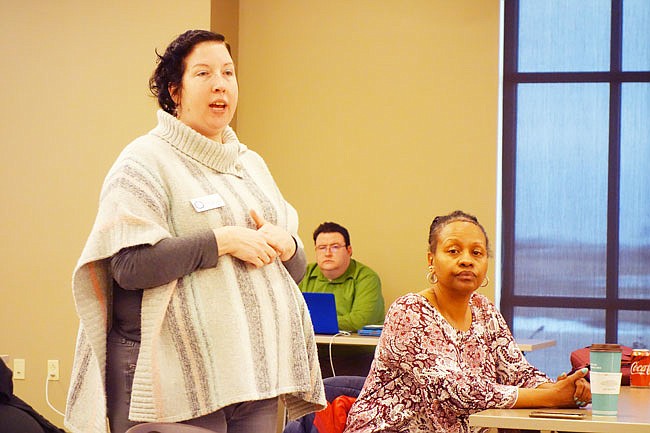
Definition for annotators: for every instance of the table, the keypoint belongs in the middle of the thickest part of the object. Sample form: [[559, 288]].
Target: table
[[525, 345], [531, 344], [352, 339], [633, 417]]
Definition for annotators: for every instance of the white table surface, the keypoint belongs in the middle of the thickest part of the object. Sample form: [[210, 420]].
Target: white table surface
[[633, 417], [525, 345]]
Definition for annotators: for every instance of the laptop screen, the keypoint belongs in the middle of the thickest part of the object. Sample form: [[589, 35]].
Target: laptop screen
[[322, 309]]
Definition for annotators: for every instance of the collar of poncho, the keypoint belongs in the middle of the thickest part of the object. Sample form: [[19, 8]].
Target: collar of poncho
[[223, 157]]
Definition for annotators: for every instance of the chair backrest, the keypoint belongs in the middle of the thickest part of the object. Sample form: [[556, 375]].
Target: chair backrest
[[343, 385], [334, 387], [166, 427]]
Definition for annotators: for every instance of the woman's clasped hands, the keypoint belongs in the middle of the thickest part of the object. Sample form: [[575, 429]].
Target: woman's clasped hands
[[256, 247], [581, 388], [571, 390]]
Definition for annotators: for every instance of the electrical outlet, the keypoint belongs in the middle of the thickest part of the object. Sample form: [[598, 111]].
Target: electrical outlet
[[19, 369], [52, 369]]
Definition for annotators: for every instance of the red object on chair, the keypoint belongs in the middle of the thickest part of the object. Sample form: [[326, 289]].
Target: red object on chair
[[332, 419], [580, 359]]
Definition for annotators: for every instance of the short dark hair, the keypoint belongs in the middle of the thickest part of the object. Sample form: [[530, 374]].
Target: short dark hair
[[171, 65], [330, 227], [441, 221]]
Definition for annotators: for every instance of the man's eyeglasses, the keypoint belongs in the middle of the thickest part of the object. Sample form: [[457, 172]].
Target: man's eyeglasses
[[334, 248]]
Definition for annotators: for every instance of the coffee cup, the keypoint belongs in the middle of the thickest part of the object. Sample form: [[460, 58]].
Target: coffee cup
[[605, 377]]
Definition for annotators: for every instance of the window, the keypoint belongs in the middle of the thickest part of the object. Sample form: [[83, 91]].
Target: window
[[576, 183]]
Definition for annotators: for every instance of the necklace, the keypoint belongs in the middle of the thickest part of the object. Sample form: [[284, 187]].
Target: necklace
[[462, 325], [435, 297]]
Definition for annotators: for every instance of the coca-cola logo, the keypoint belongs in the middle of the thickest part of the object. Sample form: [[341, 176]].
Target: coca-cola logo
[[640, 368]]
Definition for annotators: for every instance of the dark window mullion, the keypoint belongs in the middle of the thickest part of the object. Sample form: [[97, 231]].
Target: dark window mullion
[[509, 160], [560, 302], [577, 77], [633, 304], [581, 303], [614, 172]]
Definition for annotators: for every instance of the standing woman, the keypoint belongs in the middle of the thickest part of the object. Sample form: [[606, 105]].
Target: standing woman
[[446, 352], [186, 289]]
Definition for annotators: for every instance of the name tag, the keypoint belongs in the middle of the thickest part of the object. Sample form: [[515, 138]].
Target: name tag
[[207, 202]]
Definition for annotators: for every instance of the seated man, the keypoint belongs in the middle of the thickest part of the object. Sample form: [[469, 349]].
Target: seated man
[[356, 287], [16, 415], [357, 290]]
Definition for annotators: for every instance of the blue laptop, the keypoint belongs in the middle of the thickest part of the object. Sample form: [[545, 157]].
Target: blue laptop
[[322, 309]]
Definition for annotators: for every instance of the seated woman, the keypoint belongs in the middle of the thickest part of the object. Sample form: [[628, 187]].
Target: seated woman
[[446, 352]]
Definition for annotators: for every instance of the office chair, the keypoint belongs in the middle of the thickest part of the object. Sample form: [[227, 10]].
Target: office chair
[[334, 387], [166, 427]]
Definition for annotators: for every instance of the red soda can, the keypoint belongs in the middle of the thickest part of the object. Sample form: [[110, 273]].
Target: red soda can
[[640, 368]]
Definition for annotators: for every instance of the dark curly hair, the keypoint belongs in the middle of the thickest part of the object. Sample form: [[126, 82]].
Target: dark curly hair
[[441, 221], [171, 65]]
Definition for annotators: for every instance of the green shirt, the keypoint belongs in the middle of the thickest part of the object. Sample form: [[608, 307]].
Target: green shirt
[[359, 300]]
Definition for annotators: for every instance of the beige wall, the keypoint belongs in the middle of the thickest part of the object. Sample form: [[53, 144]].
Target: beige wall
[[378, 115], [74, 91], [375, 114]]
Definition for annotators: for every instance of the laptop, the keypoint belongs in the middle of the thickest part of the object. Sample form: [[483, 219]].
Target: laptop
[[322, 309]]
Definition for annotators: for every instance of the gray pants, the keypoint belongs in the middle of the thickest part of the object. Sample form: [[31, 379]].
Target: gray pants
[[252, 416]]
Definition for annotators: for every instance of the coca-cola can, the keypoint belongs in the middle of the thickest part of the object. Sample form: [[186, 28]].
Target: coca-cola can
[[640, 368]]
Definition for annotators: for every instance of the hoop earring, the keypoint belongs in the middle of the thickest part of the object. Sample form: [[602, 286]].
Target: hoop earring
[[485, 282], [431, 276]]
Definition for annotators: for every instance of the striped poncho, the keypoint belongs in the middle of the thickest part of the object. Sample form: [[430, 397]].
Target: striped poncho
[[217, 336]]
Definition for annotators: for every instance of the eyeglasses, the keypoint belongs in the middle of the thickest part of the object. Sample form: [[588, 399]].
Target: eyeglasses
[[334, 248]]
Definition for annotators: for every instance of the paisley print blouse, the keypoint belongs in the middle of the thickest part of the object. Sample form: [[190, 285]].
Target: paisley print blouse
[[429, 377]]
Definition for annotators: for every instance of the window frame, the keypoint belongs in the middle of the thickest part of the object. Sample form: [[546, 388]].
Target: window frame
[[612, 303]]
